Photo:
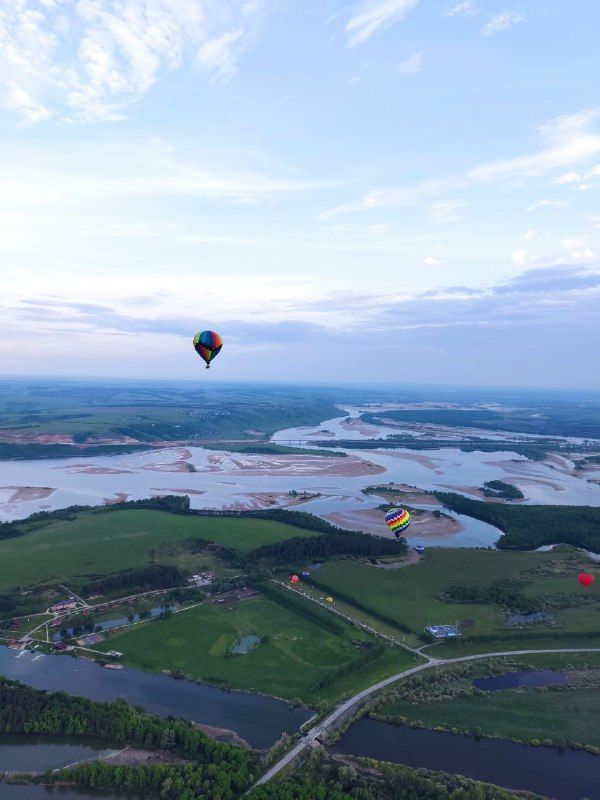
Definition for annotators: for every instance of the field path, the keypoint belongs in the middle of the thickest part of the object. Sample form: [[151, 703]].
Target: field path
[[321, 727]]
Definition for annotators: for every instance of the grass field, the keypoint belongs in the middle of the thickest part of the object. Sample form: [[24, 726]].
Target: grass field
[[410, 596], [523, 714], [104, 543], [297, 654]]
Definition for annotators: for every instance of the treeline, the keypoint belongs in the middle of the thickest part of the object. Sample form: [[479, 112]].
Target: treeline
[[534, 452], [528, 527], [165, 781], [24, 710], [302, 608], [155, 577], [526, 635], [351, 543], [380, 781], [14, 452], [354, 602], [371, 654], [500, 593]]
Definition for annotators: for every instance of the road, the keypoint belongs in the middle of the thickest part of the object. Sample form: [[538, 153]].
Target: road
[[320, 728]]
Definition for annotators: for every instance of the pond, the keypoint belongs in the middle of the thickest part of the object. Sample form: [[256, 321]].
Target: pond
[[38, 753], [258, 719], [563, 775], [245, 644], [514, 680]]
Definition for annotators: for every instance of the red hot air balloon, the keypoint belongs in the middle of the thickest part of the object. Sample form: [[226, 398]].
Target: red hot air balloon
[[294, 579], [585, 579]]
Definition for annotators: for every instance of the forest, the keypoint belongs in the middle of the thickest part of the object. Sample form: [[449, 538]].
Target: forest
[[352, 543], [529, 527]]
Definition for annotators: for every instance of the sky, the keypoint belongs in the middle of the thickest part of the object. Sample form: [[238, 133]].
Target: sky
[[347, 190]]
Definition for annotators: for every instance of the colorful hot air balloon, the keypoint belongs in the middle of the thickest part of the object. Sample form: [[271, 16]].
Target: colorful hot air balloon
[[397, 520], [207, 344], [585, 579], [294, 579], [306, 574]]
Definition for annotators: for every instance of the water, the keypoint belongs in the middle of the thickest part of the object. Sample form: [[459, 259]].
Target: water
[[566, 775], [259, 719], [514, 680], [8, 792], [108, 624], [232, 480], [38, 753], [245, 644]]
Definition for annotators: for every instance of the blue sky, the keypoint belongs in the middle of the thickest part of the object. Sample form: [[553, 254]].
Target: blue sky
[[376, 190]]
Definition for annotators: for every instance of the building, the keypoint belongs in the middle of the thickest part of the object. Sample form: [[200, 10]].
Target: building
[[443, 631]]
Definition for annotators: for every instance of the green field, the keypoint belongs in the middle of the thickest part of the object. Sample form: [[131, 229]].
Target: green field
[[103, 543], [298, 652], [522, 714], [410, 597]]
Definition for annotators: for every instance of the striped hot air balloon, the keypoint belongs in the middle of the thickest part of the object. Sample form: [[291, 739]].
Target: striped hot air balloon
[[397, 520], [207, 344]]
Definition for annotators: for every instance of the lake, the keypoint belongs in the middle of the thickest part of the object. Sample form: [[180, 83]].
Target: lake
[[258, 719], [566, 775]]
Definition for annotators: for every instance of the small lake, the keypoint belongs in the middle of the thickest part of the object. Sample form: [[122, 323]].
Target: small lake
[[38, 753], [567, 775], [259, 719], [8, 792], [515, 680]]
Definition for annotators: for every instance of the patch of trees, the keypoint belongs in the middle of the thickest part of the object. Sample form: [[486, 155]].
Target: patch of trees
[[7, 604], [528, 527], [155, 577], [367, 657], [502, 490], [351, 543], [14, 452], [371, 780], [526, 636], [500, 593]]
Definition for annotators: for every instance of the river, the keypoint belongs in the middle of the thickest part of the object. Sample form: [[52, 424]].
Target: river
[[259, 719], [38, 753], [564, 775], [217, 479]]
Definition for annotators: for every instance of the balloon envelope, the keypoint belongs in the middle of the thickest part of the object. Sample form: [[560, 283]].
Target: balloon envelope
[[208, 345], [397, 519], [585, 579], [294, 579]]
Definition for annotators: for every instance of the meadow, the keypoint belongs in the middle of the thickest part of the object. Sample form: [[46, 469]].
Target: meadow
[[115, 540], [410, 597], [292, 660]]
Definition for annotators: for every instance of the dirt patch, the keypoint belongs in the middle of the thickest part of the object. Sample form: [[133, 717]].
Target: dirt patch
[[372, 521], [403, 493], [259, 500], [357, 425], [222, 734], [425, 461], [135, 757], [177, 491], [120, 497]]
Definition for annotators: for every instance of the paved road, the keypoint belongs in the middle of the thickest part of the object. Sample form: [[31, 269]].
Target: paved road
[[323, 726]]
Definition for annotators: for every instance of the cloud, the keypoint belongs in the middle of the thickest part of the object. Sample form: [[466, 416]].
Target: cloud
[[372, 16], [502, 22], [446, 210], [548, 204], [91, 60], [411, 64], [431, 261], [565, 141], [520, 258], [466, 8]]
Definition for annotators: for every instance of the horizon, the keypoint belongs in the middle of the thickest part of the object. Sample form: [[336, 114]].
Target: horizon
[[343, 192]]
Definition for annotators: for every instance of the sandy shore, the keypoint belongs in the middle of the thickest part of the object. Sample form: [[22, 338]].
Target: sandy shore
[[23, 493], [120, 497], [173, 490], [357, 425], [420, 459], [222, 734], [260, 500], [372, 520], [272, 466], [179, 465], [403, 493]]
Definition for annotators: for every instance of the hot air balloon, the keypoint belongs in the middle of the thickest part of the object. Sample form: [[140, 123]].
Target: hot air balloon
[[294, 579], [207, 344], [397, 520], [329, 599], [306, 574], [585, 579]]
